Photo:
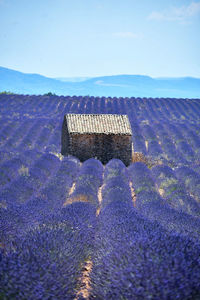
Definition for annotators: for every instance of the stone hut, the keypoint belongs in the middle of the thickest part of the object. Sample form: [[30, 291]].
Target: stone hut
[[104, 136]]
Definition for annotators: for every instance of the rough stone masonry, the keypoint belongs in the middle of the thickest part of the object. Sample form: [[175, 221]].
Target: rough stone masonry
[[103, 136]]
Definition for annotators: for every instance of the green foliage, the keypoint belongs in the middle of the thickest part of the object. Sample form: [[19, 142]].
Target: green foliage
[[6, 93], [50, 94]]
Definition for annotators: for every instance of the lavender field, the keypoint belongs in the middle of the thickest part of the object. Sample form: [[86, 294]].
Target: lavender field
[[72, 230]]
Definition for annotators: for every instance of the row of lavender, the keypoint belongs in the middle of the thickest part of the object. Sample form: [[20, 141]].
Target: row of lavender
[[30, 134], [31, 169], [172, 143], [142, 253], [26, 164], [49, 231], [29, 122], [45, 240], [148, 249], [153, 109], [43, 244]]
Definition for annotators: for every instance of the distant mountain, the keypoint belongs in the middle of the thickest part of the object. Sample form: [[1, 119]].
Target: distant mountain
[[22, 83], [72, 79], [115, 86]]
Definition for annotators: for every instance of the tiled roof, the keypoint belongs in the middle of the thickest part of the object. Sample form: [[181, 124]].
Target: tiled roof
[[98, 123]]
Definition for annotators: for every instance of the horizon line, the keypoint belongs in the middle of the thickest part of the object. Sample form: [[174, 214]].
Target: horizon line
[[97, 76]]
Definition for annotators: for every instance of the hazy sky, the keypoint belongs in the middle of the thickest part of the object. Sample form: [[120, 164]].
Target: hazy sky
[[63, 38]]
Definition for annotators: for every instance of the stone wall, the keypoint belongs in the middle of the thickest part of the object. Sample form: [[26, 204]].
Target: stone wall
[[122, 148], [65, 139], [102, 146]]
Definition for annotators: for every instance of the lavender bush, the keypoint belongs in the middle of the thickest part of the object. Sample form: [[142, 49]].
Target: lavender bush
[[173, 191], [135, 258], [142, 240]]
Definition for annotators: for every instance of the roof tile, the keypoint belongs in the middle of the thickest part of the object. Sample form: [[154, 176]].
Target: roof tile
[[98, 123]]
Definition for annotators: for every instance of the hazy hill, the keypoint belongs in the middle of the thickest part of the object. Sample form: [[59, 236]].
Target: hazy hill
[[117, 85], [18, 82], [72, 79]]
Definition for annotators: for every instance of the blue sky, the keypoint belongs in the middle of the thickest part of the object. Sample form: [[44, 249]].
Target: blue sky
[[63, 38]]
